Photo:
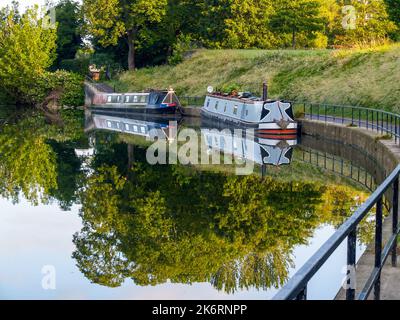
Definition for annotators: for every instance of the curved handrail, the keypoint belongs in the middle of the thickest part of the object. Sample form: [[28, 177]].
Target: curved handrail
[[296, 287]]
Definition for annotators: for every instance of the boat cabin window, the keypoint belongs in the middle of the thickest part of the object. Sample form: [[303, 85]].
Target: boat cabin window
[[225, 107], [235, 109], [113, 99], [216, 105], [142, 99], [132, 99], [135, 128], [208, 103], [143, 130], [247, 113], [157, 97], [126, 127], [109, 124]]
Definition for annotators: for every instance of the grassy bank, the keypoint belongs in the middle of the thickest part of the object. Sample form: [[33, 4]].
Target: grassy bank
[[369, 78]]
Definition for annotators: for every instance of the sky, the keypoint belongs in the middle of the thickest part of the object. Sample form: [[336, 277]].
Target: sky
[[24, 3]]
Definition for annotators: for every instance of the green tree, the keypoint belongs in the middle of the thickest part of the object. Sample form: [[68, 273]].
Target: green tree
[[246, 26], [393, 8], [110, 20], [69, 22], [372, 24], [27, 47], [297, 16], [27, 162], [158, 223]]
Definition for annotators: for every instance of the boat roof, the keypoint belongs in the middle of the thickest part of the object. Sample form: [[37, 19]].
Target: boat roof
[[247, 99], [140, 93]]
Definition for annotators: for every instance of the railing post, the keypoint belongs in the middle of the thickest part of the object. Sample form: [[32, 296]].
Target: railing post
[[387, 122], [302, 295], [372, 120], [351, 265], [359, 118], [342, 115], [395, 219], [352, 116], [391, 126], [378, 247], [334, 113]]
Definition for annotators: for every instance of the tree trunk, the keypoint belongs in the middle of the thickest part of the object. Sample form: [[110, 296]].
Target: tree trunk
[[294, 39], [131, 53]]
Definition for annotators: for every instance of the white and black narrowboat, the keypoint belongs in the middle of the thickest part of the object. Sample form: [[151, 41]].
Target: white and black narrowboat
[[268, 117], [258, 150]]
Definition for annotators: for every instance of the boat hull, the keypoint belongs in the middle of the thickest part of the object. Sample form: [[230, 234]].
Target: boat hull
[[270, 128], [137, 110]]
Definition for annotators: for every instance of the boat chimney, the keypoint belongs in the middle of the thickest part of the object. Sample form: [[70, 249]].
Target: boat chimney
[[265, 91]]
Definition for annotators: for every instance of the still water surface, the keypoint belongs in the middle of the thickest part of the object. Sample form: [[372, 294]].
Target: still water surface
[[79, 198]]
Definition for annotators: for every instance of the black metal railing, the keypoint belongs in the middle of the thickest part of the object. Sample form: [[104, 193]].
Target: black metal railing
[[187, 101], [381, 121], [296, 288]]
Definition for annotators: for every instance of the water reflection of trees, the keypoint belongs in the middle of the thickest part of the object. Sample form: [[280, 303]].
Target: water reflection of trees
[[158, 223], [30, 163]]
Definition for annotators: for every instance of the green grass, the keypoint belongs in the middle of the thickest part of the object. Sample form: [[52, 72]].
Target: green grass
[[368, 78]]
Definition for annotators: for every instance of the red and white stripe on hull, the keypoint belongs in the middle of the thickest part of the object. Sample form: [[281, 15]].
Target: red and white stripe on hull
[[277, 131]]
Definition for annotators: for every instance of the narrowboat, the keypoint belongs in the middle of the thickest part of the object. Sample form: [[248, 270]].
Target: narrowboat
[[158, 102], [259, 150], [146, 127], [267, 117]]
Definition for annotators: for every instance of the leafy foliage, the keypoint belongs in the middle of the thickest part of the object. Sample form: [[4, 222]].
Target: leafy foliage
[[297, 16], [157, 223], [122, 19], [27, 48], [69, 39]]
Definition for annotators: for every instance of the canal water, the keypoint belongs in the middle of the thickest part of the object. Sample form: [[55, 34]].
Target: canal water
[[85, 214]]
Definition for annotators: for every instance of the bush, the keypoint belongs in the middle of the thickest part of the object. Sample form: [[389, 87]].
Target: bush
[[183, 44], [63, 86]]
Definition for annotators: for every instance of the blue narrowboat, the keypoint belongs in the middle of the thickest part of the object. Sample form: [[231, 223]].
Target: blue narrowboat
[[150, 102]]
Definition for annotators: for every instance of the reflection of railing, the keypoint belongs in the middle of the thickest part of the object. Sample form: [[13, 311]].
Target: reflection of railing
[[339, 166], [377, 120]]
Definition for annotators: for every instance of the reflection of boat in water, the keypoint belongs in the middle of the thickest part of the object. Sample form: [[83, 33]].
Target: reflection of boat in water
[[257, 149], [145, 126], [151, 102], [267, 116]]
